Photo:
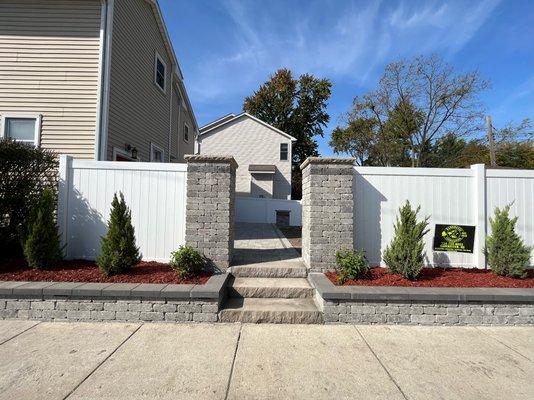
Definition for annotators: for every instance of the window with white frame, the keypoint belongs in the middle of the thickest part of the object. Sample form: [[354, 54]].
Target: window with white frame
[[21, 127], [284, 151], [186, 133], [159, 72], [156, 153]]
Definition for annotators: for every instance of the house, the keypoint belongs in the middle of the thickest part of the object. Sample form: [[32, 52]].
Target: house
[[263, 154], [95, 79]]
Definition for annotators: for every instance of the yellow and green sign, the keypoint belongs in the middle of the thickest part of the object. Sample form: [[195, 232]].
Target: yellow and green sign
[[457, 238]]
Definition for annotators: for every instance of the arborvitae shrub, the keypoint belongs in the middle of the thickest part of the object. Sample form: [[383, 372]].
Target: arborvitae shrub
[[187, 261], [405, 253], [351, 265], [507, 254], [39, 236], [119, 251]]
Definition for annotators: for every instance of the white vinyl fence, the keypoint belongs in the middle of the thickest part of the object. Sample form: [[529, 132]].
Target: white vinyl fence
[[251, 209], [448, 196], [154, 192]]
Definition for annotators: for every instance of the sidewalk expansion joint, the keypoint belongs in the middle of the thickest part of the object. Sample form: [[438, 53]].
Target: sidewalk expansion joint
[[233, 363], [20, 333]]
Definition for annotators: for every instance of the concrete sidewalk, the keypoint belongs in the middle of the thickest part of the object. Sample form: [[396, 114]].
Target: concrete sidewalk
[[233, 361]]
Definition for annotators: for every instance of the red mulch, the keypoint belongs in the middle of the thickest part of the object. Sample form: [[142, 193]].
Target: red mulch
[[439, 277], [87, 271]]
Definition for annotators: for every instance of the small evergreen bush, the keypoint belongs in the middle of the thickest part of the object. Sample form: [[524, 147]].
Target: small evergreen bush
[[404, 255], [39, 237], [187, 261], [507, 254], [351, 265], [119, 251]]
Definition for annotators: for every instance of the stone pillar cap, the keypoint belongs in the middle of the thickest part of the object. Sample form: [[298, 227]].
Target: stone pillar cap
[[327, 160], [205, 158]]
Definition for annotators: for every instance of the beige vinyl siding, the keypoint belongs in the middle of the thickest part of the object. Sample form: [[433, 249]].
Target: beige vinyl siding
[[180, 116], [49, 64], [138, 110], [250, 142]]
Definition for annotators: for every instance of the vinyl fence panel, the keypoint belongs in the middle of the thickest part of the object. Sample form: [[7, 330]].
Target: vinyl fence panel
[[260, 210], [447, 196], [154, 192]]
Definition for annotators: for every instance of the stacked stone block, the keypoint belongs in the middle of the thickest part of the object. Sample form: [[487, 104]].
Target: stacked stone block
[[108, 309], [327, 210], [210, 209], [428, 313]]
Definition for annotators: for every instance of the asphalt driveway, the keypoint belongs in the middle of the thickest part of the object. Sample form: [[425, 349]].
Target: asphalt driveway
[[227, 361]]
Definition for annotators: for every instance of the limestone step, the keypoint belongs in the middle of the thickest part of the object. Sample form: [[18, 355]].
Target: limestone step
[[275, 311], [277, 269], [270, 287]]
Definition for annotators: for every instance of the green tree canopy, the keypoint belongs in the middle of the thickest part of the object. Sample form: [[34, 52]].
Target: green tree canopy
[[417, 102], [295, 106]]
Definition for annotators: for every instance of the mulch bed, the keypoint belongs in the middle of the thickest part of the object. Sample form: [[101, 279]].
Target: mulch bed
[[439, 277], [87, 271]]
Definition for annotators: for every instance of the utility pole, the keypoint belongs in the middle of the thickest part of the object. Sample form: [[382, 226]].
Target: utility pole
[[489, 127]]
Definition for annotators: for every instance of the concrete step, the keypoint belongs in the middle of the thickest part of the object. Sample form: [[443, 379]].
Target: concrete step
[[286, 288], [276, 269], [274, 311]]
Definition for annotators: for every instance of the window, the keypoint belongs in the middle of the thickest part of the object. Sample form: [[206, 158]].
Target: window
[[159, 72], [21, 127], [186, 133], [122, 155], [156, 153], [284, 151]]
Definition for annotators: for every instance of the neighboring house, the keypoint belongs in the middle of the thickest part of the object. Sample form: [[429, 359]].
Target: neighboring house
[[96, 79], [263, 154]]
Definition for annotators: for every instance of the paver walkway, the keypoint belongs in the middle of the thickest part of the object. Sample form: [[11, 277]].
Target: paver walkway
[[240, 361], [261, 243]]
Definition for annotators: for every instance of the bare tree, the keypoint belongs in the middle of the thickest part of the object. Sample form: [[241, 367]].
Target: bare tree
[[447, 101]]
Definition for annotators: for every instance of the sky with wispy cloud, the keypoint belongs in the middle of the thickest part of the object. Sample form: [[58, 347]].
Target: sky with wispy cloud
[[228, 48]]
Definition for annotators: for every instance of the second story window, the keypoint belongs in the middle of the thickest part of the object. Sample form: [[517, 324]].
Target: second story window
[[186, 133], [159, 72], [284, 151]]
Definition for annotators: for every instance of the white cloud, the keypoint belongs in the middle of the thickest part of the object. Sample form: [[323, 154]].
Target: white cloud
[[339, 40]]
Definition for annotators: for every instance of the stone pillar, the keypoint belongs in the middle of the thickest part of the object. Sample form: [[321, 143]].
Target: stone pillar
[[210, 207], [327, 210]]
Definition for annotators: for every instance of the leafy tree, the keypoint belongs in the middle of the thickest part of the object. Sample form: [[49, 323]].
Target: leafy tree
[[119, 251], [440, 101], [374, 143], [507, 254], [40, 239], [405, 254], [25, 171], [295, 106]]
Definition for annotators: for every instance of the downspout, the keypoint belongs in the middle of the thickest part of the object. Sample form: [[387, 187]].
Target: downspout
[[106, 24], [170, 117], [99, 92]]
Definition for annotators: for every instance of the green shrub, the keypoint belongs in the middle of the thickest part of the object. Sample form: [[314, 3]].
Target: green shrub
[[351, 265], [405, 253], [187, 261], [119, 251], [507, 254], [25, 171], [39, 237]]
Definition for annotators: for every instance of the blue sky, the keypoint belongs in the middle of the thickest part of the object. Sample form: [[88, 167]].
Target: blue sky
[[228, 48]]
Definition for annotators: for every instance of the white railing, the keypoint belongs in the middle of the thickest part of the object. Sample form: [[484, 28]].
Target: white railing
[[154, 192], [448, 196], [260, 210]]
